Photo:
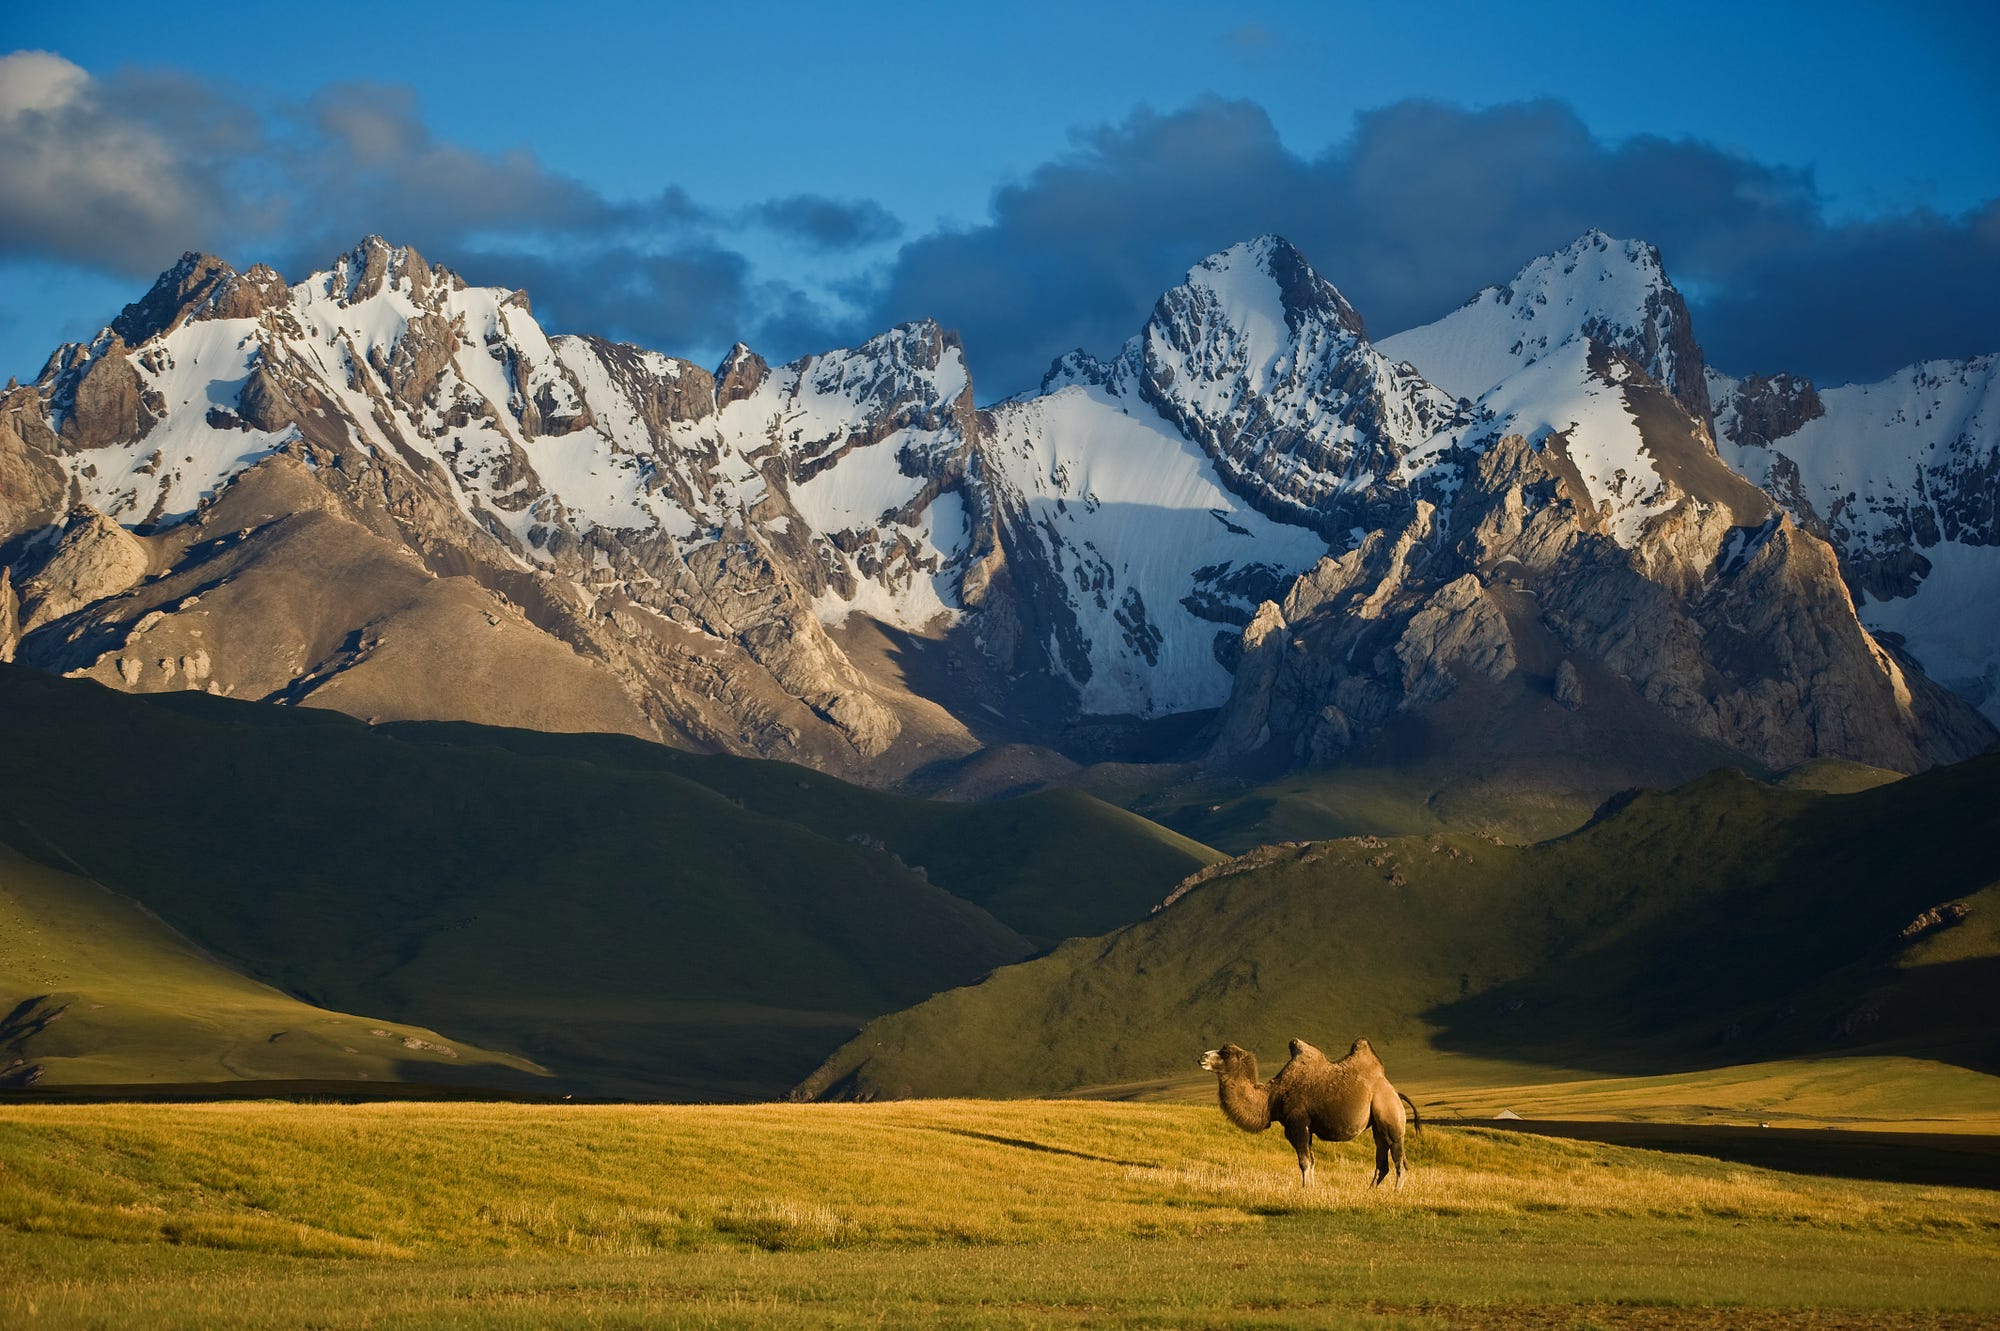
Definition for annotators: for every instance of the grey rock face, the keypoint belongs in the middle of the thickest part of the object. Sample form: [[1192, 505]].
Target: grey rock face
[[1723, 615], [1613, 292], [10, 616], [95, 558], [107, 403], [1766, 408], [33, 487], [1569, 685], [1903, 478]]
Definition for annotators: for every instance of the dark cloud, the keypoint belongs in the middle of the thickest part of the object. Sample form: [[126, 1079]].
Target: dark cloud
[[1427, 203], [1077, 253], [82, 179], [123, 173], [694, 298], [829, 224], [1423, 204], [1866, 299]]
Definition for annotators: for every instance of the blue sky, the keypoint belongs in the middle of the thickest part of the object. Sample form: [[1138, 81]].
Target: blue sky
[[1821, 178]]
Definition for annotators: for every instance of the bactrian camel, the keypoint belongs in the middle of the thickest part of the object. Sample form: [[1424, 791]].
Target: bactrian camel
[[1315, 1096]]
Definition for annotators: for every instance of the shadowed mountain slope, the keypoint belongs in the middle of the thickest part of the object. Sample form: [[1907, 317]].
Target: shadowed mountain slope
[[633, 929], [96, 991], [1722, 922]]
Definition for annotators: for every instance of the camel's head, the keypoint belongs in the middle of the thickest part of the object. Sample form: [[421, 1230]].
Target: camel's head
[[1229, 1058]]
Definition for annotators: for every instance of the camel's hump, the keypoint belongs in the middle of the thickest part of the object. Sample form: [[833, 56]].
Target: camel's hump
[[1300, 1049]]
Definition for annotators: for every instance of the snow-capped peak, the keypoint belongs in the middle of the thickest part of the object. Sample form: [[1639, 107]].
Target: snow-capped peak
[[1262, 361], [1267, 282], [1613, 291], [375, 265]]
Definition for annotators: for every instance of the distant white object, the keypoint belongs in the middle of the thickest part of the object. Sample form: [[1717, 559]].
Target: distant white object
[[1508, 1113]]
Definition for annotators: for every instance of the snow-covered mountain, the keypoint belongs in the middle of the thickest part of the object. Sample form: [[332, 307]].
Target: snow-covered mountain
[[1903, 477], [1174, 488], [1582, 534], [383, 490], [1613, 292]]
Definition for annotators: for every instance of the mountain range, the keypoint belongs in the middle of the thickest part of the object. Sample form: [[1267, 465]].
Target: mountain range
[[1251, 541]]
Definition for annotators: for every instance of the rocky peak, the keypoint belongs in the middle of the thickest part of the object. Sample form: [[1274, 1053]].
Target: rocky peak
[[1259, 298], [1263, 362], [375, 265], [1722, 615], [184, 289], [1613, 291], [741, 373], [1306, 296], [1764, 408], [93, 559], [920, 347], [912, 377], [1073, 367]]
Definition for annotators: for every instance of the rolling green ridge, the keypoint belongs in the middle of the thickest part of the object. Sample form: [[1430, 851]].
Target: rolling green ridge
[[1726, 921], [635, 931], [93, 990], [1055, 864]]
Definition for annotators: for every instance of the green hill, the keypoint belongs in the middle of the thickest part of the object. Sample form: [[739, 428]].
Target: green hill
[[97, 992], [574, 900], [1055, 864], [1723, 922]]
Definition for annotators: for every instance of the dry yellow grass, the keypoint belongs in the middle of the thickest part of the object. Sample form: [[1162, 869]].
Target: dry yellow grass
[[968, 1212]]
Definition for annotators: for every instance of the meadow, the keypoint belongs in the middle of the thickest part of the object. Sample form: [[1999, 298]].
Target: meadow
[[953, 1213]]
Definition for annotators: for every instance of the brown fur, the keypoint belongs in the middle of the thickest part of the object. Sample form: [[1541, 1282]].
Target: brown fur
[[1314, 1096]]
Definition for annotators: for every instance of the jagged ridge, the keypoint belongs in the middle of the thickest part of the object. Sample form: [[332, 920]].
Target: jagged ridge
[[386, 491]]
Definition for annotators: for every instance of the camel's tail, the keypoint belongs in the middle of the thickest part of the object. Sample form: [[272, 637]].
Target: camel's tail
[[1416, 1119]]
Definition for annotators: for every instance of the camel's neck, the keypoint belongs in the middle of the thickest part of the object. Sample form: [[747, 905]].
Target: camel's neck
[[1247, 1104]]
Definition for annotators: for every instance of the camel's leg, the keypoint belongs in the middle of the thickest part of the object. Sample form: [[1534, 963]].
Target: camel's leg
[[1388, 1130], [1300, 1136], [1385, 1118]]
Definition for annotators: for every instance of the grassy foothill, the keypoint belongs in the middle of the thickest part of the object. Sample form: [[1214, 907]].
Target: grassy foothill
[[636, 921], [95, 991], [954, 1213], [1726, 922]]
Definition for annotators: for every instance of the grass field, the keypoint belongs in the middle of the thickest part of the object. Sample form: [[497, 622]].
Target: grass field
[[1878, 1091], [941, 1213]]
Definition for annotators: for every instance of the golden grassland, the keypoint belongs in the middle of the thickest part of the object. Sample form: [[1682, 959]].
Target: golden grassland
[[1879, 1092], [933, 1212]]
